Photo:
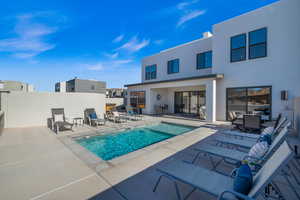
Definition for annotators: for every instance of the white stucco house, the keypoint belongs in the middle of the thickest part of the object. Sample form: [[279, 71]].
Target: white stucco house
[[250, 63]]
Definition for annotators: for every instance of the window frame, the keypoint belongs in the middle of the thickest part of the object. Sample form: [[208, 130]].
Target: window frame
[[257, 44], [245, 47], [154, 66], [168, 66], [198, 67], [247, 88]]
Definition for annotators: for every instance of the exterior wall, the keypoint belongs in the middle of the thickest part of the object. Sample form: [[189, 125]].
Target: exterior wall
[[280, 69], [117, 101], [187, 64], [34, 108], [86, 86]]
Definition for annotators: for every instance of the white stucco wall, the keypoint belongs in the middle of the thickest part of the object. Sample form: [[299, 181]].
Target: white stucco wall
[[34, 108], [280, 69], [187, 64]]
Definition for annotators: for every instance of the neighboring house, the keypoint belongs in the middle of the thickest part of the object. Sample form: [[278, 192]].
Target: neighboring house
[[15, 86], [80, 85], [249, 64], [115, 93], [60, 86]]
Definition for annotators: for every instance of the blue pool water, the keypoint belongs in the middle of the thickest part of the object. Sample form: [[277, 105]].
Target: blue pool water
[[113, 145]]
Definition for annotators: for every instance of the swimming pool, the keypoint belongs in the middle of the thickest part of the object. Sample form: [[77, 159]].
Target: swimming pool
[[117, 144]]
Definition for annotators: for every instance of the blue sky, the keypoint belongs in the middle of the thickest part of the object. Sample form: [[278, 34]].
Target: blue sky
[[44, 42]]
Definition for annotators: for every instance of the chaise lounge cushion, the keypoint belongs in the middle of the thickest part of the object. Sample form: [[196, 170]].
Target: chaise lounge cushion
[[243, 179], [93, 115]]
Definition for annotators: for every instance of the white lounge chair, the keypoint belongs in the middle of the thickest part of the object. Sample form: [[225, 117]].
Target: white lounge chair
[[221, 186], [246, 144]]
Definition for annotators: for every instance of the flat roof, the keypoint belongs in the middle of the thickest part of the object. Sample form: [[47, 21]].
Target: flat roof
[[214, 76]]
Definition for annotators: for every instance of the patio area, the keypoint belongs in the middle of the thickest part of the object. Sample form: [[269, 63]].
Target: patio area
[[37, 164]]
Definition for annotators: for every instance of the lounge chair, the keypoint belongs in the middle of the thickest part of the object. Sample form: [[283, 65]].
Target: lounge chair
[[234, 157], [92, 118], [116, 117], [246, 144], [59, 121], [221, 186], [243, 135], [130, 113]]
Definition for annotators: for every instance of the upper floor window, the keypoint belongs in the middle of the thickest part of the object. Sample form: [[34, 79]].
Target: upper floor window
[[204, 60], [258, 43], [173, 66], [238, 48], [150, 72]]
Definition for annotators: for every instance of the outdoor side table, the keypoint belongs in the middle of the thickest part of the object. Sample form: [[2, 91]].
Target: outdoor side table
[[78, 121]]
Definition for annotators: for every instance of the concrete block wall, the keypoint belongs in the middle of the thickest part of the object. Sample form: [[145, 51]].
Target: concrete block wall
[[34, 108]]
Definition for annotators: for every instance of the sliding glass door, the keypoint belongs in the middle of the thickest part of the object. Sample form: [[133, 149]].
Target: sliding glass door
[[250, 100], [189, 102]]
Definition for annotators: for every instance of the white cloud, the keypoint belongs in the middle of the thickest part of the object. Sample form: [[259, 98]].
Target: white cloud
[[30, 37], [119, 62], [95, 67], [118, 39], [134, 44], [109, 64], [112, 55], [189, 16], [185, 4], [158, 42]]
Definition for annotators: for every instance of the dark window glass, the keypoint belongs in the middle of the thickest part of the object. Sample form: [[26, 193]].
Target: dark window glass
[[150, 72], [204, 60], [238, 48], [258, 43], [173, 66], [138, 99], [249, 100]]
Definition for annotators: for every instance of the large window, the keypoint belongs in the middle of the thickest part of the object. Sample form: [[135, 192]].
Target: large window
[[138, 99], [238, 48], [258, 43], [204, 60], [150, 72], [250, 100], [173, 66]]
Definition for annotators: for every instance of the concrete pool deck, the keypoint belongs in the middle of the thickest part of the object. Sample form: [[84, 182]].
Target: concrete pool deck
[[37, 164]]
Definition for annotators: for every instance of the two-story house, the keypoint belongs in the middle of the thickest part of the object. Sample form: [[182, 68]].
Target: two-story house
[[251, 63]]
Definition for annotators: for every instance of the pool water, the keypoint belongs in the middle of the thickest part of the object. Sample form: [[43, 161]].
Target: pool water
[[117, 144]]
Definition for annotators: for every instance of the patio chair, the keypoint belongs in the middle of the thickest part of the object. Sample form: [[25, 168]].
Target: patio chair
[[91, 117], [242, 135], [246, 144], [131, 114], [221, 186], [59, 121], [116, 117], [235, 120], [252, 122]]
